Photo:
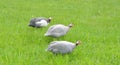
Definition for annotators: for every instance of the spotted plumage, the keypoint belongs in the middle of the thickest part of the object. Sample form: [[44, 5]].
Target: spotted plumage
[[61, 47], [39, 22], [58, 30]]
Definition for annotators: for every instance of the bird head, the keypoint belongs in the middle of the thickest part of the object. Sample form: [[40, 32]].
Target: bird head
[[49, 19], [70, 25], [78, 42]]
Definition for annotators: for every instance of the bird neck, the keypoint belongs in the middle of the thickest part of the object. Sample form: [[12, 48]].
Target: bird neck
[[49, 20], [76, 44]]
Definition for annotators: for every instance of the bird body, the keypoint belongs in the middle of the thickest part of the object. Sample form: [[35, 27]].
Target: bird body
[[57, 30], [62, 47], [39, 22]]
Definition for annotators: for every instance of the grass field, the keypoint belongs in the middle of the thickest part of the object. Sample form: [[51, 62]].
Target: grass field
[[96, 24]]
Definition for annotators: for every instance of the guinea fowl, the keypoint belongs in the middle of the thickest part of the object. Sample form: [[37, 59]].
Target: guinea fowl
[[58, 30], [62, 47], [39, 22]]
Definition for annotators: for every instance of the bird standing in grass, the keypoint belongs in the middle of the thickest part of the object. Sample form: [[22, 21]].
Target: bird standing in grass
[[39, 22], [58, 30], [62, 47]]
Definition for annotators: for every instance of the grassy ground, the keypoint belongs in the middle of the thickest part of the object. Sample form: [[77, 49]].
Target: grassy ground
[[96, 24]]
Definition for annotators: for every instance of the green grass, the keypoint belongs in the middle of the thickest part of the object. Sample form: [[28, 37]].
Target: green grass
[[96, 24]]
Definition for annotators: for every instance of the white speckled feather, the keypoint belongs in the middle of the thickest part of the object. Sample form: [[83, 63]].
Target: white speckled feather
[[57, 30], [61, 47], [41, 23]]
